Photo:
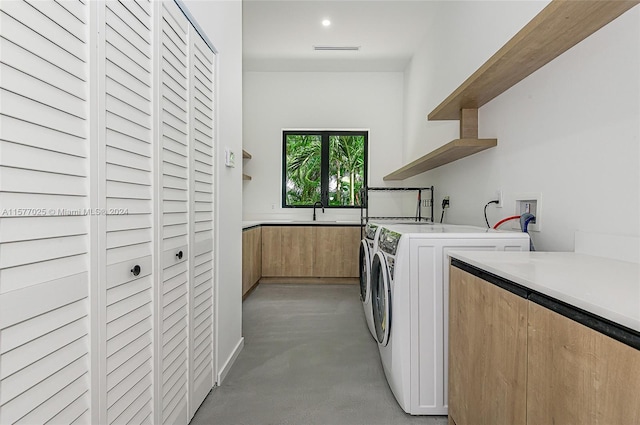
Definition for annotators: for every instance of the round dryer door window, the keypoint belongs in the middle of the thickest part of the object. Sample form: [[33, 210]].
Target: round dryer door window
[[365, 267], [381, 298]]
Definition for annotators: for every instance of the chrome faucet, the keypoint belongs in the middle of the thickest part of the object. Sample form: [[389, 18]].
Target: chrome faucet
[[314, 209]]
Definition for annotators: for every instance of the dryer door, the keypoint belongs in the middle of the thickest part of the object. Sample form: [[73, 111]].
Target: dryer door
[[365, 271], [381, 297]]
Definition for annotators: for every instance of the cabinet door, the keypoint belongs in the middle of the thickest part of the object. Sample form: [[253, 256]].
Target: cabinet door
[[577, 375], [246, 261], [251, 258], [487, 352], [272, 251], [202, 103], [126, 135], [287, 251], [297, 251], [336, 251], [45, 280], [173, 295], [256, 255]]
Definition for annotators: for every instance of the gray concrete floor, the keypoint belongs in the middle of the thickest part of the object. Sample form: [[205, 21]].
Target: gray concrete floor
[[308, 358]]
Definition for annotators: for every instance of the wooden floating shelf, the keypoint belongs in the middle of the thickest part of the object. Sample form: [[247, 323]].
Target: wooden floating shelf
[[246, 155], [450, 152], [558, 27]]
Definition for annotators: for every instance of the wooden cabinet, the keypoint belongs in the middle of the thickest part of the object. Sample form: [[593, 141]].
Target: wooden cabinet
[[336, 251], [513, 361], [577, 375], [487, 353], [310, 251], [251, 258], [287, 251]]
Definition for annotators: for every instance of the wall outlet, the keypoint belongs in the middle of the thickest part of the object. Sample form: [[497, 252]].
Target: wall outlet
[[529, 203], [229, 158], [499, 198]]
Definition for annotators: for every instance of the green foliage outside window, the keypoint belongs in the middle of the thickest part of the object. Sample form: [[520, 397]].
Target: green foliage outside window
[[324, 166]]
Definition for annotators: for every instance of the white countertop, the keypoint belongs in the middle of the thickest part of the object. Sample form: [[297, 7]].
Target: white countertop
[[607, 288]]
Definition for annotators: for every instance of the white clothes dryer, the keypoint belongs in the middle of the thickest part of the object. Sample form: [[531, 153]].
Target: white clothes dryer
[[368, 248], [367, 251], [410, 296]]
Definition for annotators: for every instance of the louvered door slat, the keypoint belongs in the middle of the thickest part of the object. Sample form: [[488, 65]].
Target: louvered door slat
[[117, 376], [42, 91], [42, 324], [31, 181], [118, 17], [44, 277], [127, 115], [75, 8], [36, 350], [32, 111], [41, 137], [140, 407], [72, 412], [174, 195], [59, 405], [59, 16], [17, 57], [55, 385], [27, 35], [30, 377], [201, 146], [30, 158]]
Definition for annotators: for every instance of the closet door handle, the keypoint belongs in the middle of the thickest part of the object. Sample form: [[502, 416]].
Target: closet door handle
[[136, 270], [179, 255]]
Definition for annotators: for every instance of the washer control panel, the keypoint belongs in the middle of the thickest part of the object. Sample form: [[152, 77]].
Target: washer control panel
[[370, 231], [388, 241]]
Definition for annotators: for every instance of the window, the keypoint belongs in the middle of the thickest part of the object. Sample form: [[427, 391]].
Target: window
[[326, 166]]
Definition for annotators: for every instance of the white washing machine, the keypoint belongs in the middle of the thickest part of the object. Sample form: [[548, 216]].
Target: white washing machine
[[410, 297], [368, 247], [367, 251]]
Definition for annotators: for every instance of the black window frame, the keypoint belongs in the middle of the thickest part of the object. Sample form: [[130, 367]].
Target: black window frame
[[324, 163]]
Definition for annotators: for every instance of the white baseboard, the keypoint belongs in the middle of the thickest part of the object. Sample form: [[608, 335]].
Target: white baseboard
[[224, 370]]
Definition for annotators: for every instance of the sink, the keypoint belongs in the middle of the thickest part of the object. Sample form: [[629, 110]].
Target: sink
[[338, 221], [285, 221]]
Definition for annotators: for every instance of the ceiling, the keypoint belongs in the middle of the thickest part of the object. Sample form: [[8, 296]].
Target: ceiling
[[280, 35]]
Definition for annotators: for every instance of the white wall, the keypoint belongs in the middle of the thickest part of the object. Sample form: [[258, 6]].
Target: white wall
[[222, 22], [274, 101], [570, 131]]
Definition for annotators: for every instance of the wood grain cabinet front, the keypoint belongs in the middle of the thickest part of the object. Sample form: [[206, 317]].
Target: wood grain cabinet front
[[251, 258], [487, 353], [336, 251], [287, 251], [310, 251], [577, 375], [514, 361]]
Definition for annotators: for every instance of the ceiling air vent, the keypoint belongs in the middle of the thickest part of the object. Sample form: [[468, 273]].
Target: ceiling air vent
[[336, 48]]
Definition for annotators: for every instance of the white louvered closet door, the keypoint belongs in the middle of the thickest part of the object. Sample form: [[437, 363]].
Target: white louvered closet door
[[173, 295], [127, 289], [202, 141], [44, 240]]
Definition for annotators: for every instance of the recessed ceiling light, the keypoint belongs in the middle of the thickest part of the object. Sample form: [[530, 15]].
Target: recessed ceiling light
[[326, 22], [336, 48]]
